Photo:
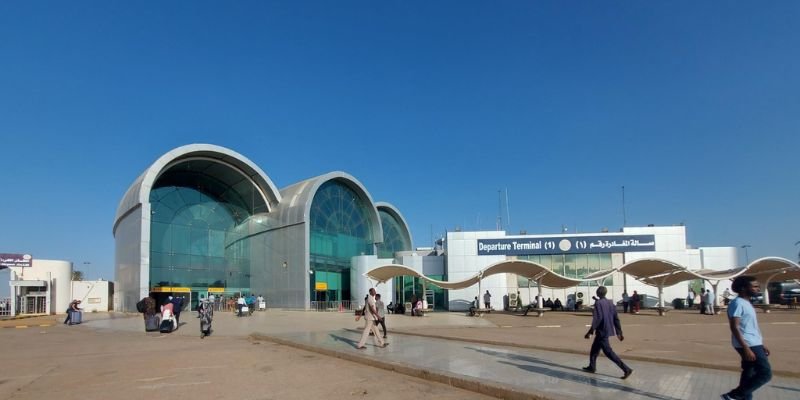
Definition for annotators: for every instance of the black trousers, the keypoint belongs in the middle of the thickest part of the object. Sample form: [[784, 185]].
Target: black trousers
[[382, 321], [601, 343]]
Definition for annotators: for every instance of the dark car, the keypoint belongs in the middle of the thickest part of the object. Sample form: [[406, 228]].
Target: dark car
[[784, 293]]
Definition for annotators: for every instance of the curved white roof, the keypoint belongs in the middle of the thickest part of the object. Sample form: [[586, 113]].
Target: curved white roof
[[139, 191], [392, 210], [296, 205]]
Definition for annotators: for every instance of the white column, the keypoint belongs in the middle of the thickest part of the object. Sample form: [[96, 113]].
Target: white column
[[714, 302], [539, 284]]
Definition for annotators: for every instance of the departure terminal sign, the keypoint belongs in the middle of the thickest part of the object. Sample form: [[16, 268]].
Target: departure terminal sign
[[566, 245]]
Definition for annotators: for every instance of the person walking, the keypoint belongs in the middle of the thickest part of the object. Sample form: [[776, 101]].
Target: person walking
[[381, 313], [605, 323], [206, 310], [371, 319], [702, 301], [635, 302], [487, 300], [747, 340], [709, 297], [73, 307], [177, 308], [625, 301], [690, 298]]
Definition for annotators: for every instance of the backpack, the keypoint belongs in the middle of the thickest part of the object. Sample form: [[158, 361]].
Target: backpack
[[140, 306]]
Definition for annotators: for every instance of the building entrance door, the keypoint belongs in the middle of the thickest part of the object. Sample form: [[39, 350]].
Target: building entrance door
[[34, 304]]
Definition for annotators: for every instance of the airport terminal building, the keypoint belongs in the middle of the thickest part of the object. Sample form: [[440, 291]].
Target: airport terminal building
[[203, 219]]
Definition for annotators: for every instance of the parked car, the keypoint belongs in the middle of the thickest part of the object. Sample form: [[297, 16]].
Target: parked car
[[784, 292], [648, 301]]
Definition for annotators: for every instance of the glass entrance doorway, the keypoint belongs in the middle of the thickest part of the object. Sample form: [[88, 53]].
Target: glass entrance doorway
[[34, 304]]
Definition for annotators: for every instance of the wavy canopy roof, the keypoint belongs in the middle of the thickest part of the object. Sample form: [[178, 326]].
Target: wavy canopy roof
[[527, 269], [652, 271]]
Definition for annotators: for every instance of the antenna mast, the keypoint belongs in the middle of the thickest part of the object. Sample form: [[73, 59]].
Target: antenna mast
[[624, 216], [502, 203]]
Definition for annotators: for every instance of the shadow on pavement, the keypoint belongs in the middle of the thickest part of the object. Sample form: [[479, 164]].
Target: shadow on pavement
[[583, 378], [349, 341]]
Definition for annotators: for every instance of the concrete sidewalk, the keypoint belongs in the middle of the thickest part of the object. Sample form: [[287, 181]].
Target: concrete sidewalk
[[513, 373]]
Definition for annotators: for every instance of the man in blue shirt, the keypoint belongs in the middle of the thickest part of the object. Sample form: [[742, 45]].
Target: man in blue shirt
[[605, 323], [747, 340]]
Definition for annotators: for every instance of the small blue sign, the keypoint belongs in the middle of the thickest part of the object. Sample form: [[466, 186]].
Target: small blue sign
[[566, 245]]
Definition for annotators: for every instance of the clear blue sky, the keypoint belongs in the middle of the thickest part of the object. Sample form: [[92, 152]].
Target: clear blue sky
[[434, 106]]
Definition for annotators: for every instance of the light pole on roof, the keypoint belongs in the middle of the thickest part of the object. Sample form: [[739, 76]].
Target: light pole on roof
[[87, 263], [746, 256]]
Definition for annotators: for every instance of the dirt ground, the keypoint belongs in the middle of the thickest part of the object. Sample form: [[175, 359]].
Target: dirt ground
[[682, 337], [82, 363]]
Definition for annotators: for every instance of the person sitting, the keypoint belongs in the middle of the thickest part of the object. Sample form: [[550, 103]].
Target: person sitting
[[549, 304], [390, 308], [570, 304], [557, 305], [418, 307]]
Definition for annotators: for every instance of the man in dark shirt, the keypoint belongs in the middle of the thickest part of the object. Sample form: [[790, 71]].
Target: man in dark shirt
[[605, 323]]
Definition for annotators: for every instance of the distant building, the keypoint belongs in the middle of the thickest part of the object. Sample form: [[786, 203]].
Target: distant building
[[44, 287]]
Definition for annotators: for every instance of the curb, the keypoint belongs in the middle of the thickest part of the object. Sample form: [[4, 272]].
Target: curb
[[683, 363], [25, 326], [492, 389]]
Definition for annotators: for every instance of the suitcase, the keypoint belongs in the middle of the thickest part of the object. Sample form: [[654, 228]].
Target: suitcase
[[166, 326], [151, 323], [205, 326], [75, 317]]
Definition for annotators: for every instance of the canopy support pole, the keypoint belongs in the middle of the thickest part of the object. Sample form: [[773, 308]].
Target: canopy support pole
[[478, 301], [714, 303], [765, 289], [539, 300]]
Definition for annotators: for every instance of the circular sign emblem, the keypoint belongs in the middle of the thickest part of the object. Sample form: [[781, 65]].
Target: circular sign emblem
[[564, 245]]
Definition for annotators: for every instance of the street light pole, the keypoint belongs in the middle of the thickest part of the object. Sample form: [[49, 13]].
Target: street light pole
[[87, 263], [746, 256]]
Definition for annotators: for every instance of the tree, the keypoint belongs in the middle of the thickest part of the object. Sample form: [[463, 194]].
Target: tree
[[77, 275]]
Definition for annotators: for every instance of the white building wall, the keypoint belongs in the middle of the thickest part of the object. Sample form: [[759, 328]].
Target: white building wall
[[463, 263], [360, 284], [57, 273], [92, 294]]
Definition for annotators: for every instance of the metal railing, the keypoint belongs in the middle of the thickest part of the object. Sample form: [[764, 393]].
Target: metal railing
[[5, 306], [332, 306]]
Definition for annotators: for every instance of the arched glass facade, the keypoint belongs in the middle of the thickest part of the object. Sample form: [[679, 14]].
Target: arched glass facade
[[395, 237], [340, 228], [196, 206]]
